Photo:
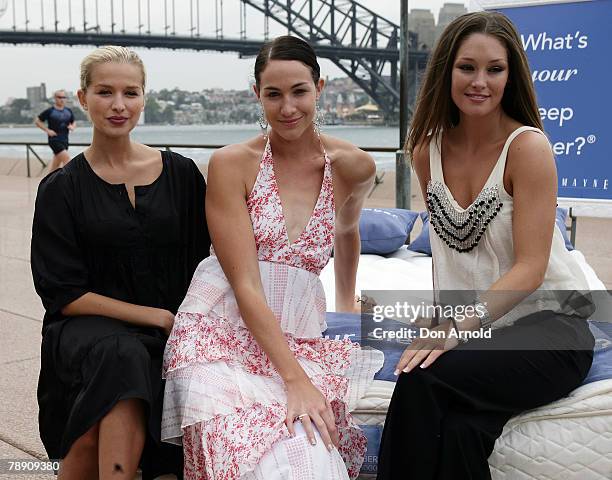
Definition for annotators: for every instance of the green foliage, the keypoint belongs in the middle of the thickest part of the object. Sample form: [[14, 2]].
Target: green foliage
[[155, 114], [79, 115], [12, 113], [152, 111]]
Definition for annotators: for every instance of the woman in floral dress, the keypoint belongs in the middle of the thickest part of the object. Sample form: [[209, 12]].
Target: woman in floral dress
[[253, 390]]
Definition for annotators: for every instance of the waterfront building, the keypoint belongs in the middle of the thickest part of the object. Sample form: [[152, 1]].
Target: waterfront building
[[448, 13], [421, 21], [37, 96]]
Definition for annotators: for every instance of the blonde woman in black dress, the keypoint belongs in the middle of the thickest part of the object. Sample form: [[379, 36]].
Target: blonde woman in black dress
[[117, 235]]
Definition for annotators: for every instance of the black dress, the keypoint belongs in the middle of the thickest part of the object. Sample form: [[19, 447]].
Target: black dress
[[87, 237]]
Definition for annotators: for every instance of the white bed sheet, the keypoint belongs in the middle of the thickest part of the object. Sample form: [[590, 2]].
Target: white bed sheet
[[408, 270], [403, 270]]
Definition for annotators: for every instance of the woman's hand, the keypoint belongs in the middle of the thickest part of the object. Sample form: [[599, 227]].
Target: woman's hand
[[162, 319], [424, 351], [307, 404]]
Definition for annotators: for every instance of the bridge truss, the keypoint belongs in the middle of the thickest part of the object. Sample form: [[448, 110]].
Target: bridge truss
[[360, 42]]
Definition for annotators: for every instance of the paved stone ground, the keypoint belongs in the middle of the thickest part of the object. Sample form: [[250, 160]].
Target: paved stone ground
[[20, 324]]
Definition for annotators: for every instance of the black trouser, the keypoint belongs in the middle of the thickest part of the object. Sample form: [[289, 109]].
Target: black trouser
[[443, 420]]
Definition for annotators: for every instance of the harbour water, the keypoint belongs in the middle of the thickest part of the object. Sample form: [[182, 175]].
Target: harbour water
[[363, 136]]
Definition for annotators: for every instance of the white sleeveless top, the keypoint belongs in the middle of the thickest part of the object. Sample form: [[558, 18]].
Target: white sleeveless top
[[472, 247]]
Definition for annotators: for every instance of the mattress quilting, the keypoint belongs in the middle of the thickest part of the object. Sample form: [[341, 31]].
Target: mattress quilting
[[570, 439]]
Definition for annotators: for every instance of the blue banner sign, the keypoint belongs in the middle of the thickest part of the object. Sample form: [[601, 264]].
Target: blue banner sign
[[569, 46]]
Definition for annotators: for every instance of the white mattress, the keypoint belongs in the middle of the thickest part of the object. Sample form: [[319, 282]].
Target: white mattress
[[570, 439], [372, 408], [403, 270]]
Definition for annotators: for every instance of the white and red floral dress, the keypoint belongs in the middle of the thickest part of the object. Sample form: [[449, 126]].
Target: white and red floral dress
[[224, 399]]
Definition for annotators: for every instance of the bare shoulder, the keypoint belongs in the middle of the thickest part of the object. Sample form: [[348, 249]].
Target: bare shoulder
[[529, 141], [145, 153], [146, 150], [147, 158], [348, 161], [531, 152], [237, 159]]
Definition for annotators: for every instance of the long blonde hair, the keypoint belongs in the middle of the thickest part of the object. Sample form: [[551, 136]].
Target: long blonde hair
[[107, 54], [435, 109]]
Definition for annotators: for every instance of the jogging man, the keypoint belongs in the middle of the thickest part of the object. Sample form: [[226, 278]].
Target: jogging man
[[60, 121]]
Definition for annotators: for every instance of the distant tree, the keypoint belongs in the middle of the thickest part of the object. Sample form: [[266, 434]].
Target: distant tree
[[20, 104], [202, 100], [179, 96], [164, 94], [79, 115], [12, 112], [152, 111], [167, 115]]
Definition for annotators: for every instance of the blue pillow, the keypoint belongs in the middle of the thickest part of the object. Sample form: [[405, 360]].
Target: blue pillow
[[384, 230], [421, 243], [601, 368], [348, 326], [560, 222]]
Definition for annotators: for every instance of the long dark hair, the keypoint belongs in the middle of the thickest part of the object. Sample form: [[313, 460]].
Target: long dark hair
[[435, 109], [287, 48]]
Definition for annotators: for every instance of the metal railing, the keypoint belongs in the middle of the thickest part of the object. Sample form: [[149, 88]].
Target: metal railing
[[403, 174], [402, 169], [29, 150]]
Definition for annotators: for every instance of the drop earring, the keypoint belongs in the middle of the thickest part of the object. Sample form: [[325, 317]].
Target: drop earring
[[263, 123], [318, 119]]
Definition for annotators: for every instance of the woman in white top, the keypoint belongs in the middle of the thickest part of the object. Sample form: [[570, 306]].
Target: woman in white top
[[488, 175]]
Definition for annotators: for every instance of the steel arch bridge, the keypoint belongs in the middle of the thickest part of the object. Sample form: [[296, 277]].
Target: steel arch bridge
[[360, 42]]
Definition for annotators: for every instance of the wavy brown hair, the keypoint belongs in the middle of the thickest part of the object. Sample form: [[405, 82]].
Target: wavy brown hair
[[435, 109]]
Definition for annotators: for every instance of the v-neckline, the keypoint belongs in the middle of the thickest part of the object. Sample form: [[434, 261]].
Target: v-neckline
[[280, 202], [451, 197]]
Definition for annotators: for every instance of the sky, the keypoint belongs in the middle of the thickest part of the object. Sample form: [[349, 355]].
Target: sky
[[58, 66]]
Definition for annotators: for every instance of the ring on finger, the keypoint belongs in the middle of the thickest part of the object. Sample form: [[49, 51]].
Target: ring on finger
[[299, 417]]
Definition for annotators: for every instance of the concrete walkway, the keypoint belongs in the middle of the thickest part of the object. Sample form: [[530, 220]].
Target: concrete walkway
[[20, 324]]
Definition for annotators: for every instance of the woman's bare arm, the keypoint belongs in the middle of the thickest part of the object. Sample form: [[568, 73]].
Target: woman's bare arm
[[532, 172], [95, 304], [233, 239], [356, 173]]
